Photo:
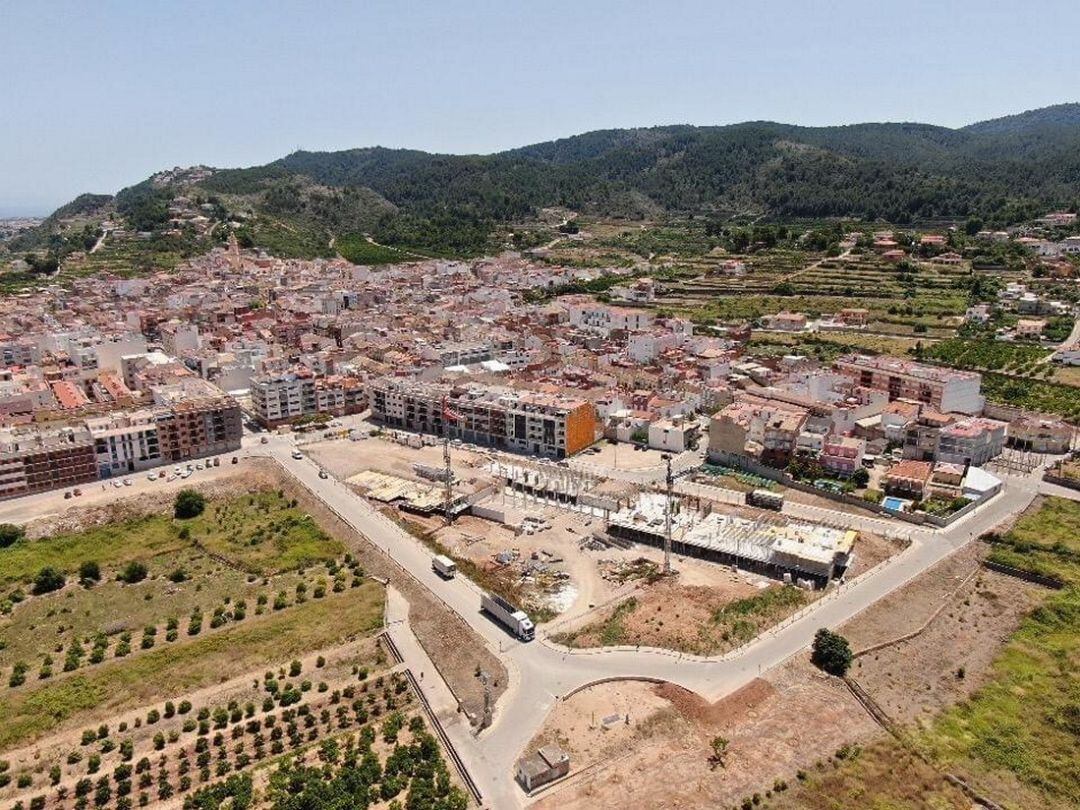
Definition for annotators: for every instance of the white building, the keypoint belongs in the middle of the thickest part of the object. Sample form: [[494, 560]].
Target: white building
[[125, 443]]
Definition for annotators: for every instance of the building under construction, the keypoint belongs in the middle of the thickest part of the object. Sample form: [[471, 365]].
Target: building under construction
[[789, 551]]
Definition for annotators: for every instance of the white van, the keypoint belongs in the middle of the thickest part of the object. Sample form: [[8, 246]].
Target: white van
[[443, 566]]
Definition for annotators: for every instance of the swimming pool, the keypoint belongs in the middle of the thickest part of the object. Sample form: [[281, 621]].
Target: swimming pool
[[895, 504]]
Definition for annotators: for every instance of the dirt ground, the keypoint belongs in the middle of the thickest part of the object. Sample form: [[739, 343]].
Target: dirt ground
[[774, 727], [668, 614], [344, 458], [974, 612]]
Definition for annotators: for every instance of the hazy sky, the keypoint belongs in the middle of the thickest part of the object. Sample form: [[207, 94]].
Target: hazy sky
[[96, 96]]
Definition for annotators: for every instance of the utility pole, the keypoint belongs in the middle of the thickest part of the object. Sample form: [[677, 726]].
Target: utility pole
[[667, 517]]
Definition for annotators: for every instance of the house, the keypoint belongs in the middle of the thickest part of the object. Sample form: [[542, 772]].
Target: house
[[1029, 327], [948, 259], [842, 455], [980, 313], [908, 479], [853, 316], [1040, 435], [785, 322], [546, 765], [674, 435]]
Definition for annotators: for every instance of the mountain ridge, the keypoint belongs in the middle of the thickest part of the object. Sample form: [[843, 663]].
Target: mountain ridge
[[1002, 170]]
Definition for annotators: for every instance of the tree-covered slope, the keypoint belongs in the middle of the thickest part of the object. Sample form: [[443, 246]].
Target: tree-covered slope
[[1003, 171]]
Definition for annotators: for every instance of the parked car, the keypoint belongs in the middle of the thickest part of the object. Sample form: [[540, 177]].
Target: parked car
[[297, 455], [323, 474]]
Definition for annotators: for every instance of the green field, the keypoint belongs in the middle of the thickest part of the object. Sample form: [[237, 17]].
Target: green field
[[1055, 525], [260, 532], [109, 688]]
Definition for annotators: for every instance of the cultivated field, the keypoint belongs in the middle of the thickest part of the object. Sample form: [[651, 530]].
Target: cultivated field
[[148, 658]]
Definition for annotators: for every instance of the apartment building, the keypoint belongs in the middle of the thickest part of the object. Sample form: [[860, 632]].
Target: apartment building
[[589, 314], [40, 460], [938, 437], [757, 427], [519, 421], [280, 398], [125, 443], [945, 390], [196, 427]]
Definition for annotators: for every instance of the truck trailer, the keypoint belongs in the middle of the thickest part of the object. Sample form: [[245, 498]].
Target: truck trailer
[[765, 499], [509, 616]]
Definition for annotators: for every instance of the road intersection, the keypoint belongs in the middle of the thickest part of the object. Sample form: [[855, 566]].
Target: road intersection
[[543, 672]]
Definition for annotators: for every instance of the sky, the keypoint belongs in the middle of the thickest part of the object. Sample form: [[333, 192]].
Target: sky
[[98, 96]]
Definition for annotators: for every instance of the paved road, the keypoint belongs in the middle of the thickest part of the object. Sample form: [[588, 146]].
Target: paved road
[[541, 672]]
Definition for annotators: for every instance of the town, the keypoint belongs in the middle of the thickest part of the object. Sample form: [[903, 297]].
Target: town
[[535, 406]]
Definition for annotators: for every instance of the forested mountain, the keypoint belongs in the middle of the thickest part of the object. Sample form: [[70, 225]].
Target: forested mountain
[[1004, 171]]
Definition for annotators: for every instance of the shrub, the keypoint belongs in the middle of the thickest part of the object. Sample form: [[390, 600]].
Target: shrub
[[188, 504], [89, 572], [10, 534], [47, 580], [133, 572]]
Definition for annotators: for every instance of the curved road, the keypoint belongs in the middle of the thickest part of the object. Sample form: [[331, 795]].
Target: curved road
[[541, 672]]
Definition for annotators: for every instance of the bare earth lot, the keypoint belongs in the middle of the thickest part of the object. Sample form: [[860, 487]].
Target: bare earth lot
[[796, 719]]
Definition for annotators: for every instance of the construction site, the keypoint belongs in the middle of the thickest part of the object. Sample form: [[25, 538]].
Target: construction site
[[565, 541]]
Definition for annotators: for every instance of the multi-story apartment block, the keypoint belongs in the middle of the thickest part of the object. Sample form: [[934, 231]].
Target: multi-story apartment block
[[39, 460], [280, 398], [125, 443], [520, 421], [945, 390], [196, 427], [589, 314], [936, 437]]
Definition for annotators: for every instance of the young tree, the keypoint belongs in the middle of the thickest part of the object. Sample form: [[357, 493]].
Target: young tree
[[831, 652], [719, 747]]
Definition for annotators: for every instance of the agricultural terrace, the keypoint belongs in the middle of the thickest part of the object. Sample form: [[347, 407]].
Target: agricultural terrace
[[155, 658], [991, 355]]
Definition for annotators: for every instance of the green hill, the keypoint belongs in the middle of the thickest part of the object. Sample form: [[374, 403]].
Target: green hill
[[1004, 171]]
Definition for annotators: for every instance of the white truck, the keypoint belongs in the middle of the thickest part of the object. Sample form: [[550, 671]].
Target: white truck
[[509, 616], [443, 566]]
